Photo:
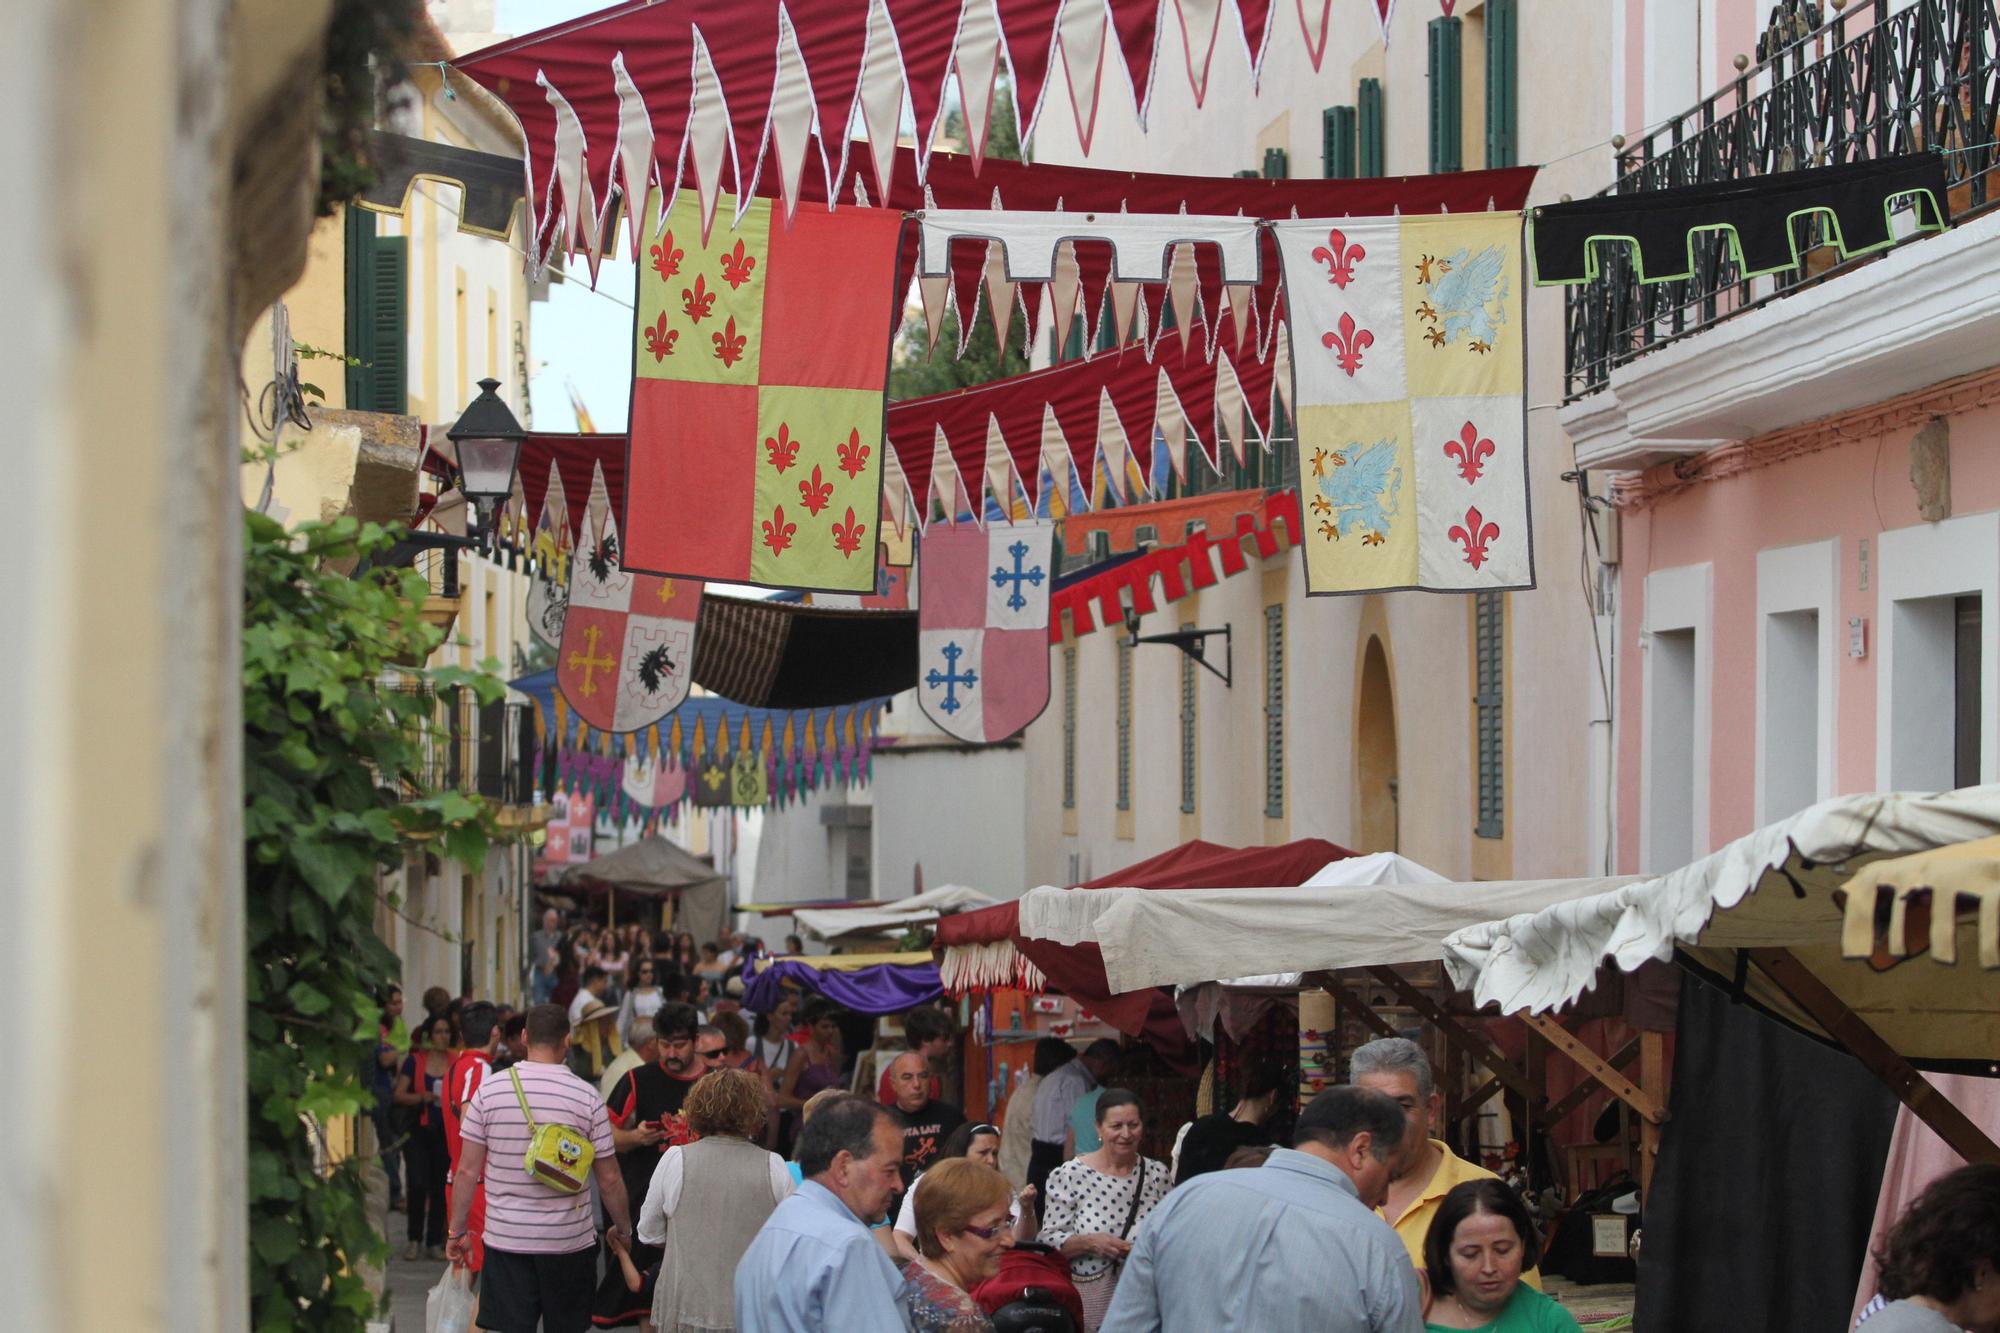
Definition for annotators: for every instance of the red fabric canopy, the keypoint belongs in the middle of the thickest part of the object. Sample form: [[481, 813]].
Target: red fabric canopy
[[1077, 970]]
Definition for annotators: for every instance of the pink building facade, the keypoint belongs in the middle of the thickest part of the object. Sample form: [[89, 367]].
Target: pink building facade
[[1798, 481]]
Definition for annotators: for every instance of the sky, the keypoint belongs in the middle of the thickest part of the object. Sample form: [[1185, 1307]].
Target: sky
[[582, 337]]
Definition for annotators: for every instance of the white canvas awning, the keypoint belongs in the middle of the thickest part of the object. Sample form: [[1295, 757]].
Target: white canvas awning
[[1197, 935], [1780, 888], [890, 918]]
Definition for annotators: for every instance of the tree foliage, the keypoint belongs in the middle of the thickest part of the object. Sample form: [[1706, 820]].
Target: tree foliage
[[336, 730]]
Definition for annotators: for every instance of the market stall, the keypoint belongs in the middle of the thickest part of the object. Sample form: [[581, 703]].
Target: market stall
[[659, 869]]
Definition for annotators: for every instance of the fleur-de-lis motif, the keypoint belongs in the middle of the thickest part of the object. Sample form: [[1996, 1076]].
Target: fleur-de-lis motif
[[814, 493], [737, 265], [666, 259], [777, 532], [1372, 539], [853, 455], [1330, 532], [847, 536], [1469, 449], [1339, 258], [1322, 506], [1475, 535], [697, 300], [783, 449], [660, 339], [729, 344], [1347, 344]]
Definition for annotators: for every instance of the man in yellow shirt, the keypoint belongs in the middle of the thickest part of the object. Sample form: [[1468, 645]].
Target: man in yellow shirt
[[1425, 1168]]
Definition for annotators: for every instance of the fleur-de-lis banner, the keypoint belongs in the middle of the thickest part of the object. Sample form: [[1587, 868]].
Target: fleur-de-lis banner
[[761, 354], [1408, 357]]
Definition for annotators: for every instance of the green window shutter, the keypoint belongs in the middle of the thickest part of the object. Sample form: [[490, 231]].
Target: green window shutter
[[392, 283], [1277, 164], [1368, 121], [1446, 120], [1069, 726], [1489, 648], [1337, 143], [1503, 107], [1073, 345], [1124, 724], [1246, 175], [360, 297], [1189, 720], [1274, 710]]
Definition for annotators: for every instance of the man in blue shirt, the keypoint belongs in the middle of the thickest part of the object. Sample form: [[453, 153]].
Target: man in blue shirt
[[813, 1267], [1293, 1244]]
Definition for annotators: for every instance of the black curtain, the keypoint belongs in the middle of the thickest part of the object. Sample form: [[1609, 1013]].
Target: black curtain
[[1768, 1174]]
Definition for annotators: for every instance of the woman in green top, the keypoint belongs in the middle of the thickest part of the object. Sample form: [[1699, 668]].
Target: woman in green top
[[1479, 1243]]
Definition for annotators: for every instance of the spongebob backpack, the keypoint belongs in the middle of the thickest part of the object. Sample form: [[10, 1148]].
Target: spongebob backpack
[[559, 1156]]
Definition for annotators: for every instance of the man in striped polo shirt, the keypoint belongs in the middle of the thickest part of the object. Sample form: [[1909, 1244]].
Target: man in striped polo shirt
[[541, 1244]]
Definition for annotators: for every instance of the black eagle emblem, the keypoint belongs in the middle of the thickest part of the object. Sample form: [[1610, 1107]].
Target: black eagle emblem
[[654, 668], [604, 556]]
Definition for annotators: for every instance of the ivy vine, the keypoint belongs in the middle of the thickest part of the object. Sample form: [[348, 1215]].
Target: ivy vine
[[337, 717]]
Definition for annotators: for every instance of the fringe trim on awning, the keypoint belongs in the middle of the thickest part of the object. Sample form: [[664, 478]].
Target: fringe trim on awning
[[970, 967]]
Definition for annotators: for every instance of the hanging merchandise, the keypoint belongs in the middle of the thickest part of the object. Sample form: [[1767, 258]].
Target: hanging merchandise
[[1855, 203], [628, 639], [757, 396], [983, 660], [1408, 361]]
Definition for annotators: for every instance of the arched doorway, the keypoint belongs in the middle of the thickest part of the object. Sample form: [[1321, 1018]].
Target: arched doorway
[[1375, 775]]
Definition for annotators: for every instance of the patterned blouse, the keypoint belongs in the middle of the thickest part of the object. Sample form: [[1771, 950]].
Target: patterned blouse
[[935, 1306], [1081, 1199]]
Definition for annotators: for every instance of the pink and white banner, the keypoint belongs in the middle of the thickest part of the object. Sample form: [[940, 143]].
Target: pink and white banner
[[982, 627]]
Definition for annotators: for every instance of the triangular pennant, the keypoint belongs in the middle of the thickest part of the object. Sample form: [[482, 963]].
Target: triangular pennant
[[1093, 269], [881, 94], [1139, 38], [933, 293], [967, 256], [1135, 399], [635, 153], [1256, 16], [708, 147], [1383, 9], [792, 114], [977, 65], [1081, 37], [1200, 21], [999, 292], [1316, 21], [1124, 310], [1062, 292], [834, 46], [1028, 28], [925, 46]]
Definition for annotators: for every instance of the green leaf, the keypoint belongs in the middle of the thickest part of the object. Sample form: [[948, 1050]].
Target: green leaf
[[308, 999]]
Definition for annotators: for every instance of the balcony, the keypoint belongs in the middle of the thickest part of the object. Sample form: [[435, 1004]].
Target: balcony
[[1777, 351], [488, 749]]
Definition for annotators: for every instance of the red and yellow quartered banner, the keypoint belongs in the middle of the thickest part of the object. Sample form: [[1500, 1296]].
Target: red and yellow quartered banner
[[760, 360]]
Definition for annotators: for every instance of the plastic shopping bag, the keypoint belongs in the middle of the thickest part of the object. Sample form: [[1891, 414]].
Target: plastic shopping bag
[[448, 1308]]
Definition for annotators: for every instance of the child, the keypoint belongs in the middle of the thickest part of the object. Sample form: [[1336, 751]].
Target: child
[[640, 1284]]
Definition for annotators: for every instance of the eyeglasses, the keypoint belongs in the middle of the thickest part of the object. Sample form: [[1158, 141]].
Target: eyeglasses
[[715, 1054], [985, 1233]]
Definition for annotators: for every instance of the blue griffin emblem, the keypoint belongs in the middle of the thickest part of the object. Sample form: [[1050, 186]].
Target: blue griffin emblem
[[1465, 298]]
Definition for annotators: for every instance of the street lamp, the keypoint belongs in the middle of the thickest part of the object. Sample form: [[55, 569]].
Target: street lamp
[[488, 441]]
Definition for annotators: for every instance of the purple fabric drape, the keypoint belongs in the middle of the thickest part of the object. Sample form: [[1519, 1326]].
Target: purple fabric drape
[[886, 988]]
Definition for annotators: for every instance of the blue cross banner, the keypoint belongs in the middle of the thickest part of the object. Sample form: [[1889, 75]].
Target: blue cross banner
[[982, 622]]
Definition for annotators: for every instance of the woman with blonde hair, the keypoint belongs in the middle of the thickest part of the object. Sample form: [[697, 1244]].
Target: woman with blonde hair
[[725, 1186], [962, 1230]]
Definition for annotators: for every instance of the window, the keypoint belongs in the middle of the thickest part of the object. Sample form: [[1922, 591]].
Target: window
[[1446, 129], [377, 273], [1368, 151], [1274, 710], [1676, 651], [1797, 604], [1489, 647], [1190, 775], [1277, 164], [1337, 130], [1069, 726], [1935, 720], [1503, 110], [1124, 724]]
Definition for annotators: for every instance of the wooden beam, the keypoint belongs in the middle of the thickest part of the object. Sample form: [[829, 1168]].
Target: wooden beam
[[1582, 1092], [1472, 1101], [1461, 1036], [1848, 1028], [1593, 1064], [1653, 1082]]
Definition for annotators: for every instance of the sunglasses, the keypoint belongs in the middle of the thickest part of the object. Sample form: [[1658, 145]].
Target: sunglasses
[[715, 1054], [985, 1233]]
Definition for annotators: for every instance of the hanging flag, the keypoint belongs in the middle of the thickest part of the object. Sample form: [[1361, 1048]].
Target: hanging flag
[[749, 779], [555, 838], [1408, 353], [548, 602], [982, 622], [627, 639], [760, 359], [582, 825], [653, 781], [712, 786]]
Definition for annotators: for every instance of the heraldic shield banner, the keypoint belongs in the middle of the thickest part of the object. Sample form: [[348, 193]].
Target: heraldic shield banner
[[760, 355], [982, 627], [627, 639], [1408, 361]]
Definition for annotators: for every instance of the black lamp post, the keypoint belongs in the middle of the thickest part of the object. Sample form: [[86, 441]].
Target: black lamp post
[[488, 442]]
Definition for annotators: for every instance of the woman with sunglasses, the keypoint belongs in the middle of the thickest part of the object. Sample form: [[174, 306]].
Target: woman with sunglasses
[[962, 1230], [643, 994], [981, 1143]]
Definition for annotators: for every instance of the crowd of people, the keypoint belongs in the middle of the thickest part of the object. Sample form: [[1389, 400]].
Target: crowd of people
[[728, 1172]]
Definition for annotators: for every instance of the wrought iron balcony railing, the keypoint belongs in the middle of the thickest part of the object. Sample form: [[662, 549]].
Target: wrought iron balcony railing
[[1871, 83]]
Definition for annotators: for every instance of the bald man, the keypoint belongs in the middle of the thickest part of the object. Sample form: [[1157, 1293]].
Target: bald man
[[926, 1121]]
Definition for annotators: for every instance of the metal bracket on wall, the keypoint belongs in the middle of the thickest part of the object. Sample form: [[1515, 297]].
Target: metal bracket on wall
[[1193, 642], [491, 184]]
